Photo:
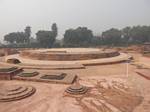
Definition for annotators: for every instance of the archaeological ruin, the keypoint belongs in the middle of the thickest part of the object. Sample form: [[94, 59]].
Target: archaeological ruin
[[80, 79], [15, 92]]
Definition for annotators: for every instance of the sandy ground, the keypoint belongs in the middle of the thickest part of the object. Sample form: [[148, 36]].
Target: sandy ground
[[111, 89]]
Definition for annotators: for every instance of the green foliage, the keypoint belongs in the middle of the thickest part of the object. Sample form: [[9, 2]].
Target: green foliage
[[96, 41], [19, 37], [47, 38], [78, 37], [140, 34], [112, 37], [27, 33], [8, 69], [28, 74], [15, 37], [126, 36], [54, 29]]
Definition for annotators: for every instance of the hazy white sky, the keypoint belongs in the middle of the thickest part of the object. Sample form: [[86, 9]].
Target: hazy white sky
[[97, 15]]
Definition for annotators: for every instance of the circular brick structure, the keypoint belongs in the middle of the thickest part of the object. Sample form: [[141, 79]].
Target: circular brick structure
[[68, 54], [15, 92], [76, 89]]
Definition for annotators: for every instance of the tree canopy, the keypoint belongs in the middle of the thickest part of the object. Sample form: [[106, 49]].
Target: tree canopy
[[127, 35], [47, 38], [78, 37], [19, 37], [112, 37], [27, 34]]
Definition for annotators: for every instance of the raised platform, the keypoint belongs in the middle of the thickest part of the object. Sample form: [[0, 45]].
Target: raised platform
[[51, 77], [68, 54], [76, 89], [8, 73], [50, 65]]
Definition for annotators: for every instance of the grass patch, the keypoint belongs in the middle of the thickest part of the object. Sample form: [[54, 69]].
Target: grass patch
[[54, 77], [8, 69], [28, 74]]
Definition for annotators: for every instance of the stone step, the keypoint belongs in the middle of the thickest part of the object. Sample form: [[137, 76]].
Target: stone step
[[76, 89], [21, 90], [19, 94]]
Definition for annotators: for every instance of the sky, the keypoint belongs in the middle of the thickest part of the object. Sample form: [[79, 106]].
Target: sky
[[97, 15]]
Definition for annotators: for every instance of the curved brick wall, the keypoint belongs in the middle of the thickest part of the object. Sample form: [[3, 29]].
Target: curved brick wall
[[60, 56], [12, 93]]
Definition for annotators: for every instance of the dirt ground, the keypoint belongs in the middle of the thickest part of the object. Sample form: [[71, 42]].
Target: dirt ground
[[112, 88]]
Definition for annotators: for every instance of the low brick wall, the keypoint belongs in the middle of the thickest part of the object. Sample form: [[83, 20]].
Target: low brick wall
[[9, 75], [5, 77], [68, 56], [69, 79]]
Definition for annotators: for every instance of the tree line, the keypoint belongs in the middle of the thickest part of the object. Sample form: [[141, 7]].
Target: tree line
[[19, 37], [80, 37]]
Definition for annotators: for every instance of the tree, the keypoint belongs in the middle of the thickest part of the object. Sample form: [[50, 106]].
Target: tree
[[54, 29], [140, 34], [9, 38], [112, 37], [47, 38], [27, 32], [96, 41], [19, 37], [44, 38], [15, 37], [126, 35], [81, 36], [126, 32]]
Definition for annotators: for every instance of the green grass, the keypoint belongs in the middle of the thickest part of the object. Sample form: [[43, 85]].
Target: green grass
[[28, 74], [7, 69], [54, 77]]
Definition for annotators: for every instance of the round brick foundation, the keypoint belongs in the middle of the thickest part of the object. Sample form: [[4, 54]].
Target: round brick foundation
[[67, 56]]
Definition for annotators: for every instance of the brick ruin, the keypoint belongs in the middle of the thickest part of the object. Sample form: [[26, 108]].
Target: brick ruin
[[8, 73]]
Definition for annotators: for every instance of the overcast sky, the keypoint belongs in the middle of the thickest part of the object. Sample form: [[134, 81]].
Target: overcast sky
[[98, 15]]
